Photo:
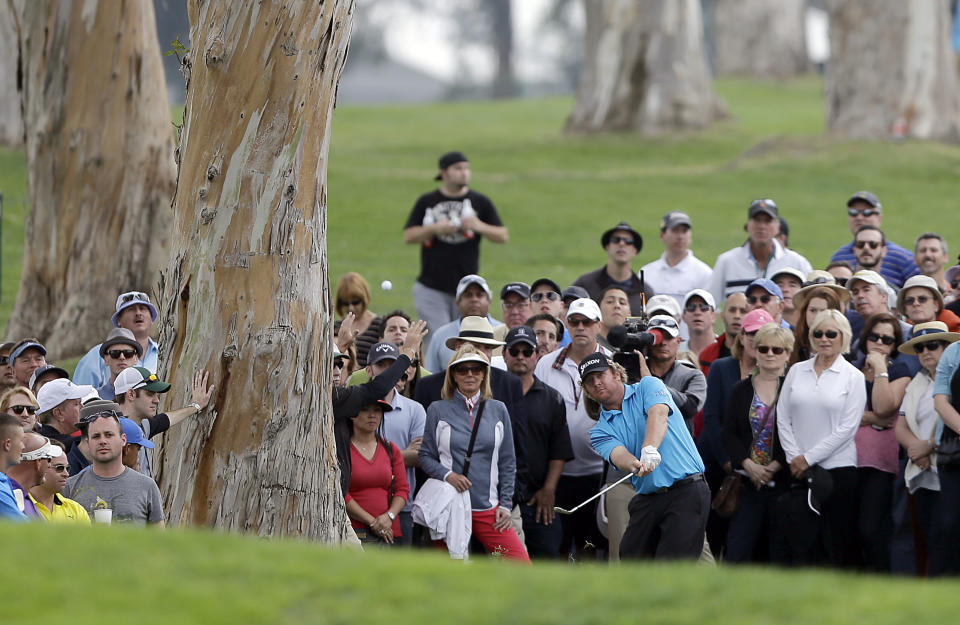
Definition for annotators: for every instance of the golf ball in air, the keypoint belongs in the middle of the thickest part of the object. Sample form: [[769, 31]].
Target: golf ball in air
[[386, 285]]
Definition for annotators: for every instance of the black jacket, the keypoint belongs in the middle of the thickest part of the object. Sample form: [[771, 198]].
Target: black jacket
[[596, 281], [738, 435]]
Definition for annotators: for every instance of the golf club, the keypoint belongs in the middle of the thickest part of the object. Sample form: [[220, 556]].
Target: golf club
[[623, 479]]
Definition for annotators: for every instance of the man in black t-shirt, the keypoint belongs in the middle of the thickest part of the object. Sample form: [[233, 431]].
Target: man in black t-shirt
[[448, 224]]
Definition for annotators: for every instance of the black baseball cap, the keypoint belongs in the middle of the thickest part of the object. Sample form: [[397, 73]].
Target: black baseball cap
[[546, 281], [573, 292], [448, 159], [521, 334], [382, 351], [596, 361], [520, 288]]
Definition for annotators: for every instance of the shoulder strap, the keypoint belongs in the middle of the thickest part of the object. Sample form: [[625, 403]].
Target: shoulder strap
[[473, 438]]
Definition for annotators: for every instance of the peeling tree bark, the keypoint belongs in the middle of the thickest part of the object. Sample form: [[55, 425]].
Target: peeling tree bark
[[99, 149], [246, 293], [11, 119], [760, 38], [891, 72], [644, 68]]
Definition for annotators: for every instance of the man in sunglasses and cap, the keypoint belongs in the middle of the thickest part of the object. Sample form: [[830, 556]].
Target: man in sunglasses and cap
[[640, 430], [622, 244], [448, 224], [863, 208], [119, 351], [135, 312], [108, 483], [34, 462]]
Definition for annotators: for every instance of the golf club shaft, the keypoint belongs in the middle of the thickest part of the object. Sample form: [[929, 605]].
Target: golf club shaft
[[617, 483]]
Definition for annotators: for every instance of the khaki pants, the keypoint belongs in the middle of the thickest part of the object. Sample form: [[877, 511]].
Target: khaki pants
[[615, 506]]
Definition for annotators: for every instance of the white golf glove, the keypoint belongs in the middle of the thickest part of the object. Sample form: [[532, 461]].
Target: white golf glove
[[650, 455]]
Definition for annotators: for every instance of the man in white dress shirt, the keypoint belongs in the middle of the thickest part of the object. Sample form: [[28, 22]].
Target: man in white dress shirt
[[677, 271]]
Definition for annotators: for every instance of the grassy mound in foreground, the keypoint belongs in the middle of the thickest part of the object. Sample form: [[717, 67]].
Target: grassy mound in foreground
[[123, 574]]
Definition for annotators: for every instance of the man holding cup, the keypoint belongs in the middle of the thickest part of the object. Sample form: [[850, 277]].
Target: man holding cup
[[108, 485]]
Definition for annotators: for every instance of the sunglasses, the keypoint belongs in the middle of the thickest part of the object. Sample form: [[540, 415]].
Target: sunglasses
[[691, 308], [60, 468], [881, 338], [763, 299], [954, 284], [356, 302], [866, 212], [621, 239], [573, 323], [550, 295], [931, 345], [830, 334], [871, 244], [338, 363], [919, 299], [126, 353], [817, 281], [516, 351], [106, 414], [19, 409], [766, 349], [842, 281], [129, 297], [4, 361], [465, 369]]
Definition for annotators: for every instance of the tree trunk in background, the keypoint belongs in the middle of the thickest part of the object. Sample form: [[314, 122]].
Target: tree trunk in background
[[246, 294], [644, 68], [760, 38], [891, 72], [99, 147], [11, 118], [501, 23]]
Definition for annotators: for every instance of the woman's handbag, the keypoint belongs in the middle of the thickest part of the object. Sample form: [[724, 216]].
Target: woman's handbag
[[727, 499]]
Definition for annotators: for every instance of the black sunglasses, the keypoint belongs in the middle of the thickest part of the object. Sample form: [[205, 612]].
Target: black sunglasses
[[4, 361], [19, 409], [831, 334], [866, 212], [106, 414], [763, 299], [931, 345], [550, 295], [872, 244], [516, 351], [621, 239], [464, 369], [126, 353], [338, 363], [691, 308], [764, 349], [881, 338]]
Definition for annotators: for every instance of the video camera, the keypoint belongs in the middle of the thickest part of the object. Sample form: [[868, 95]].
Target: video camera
[[629, 338]]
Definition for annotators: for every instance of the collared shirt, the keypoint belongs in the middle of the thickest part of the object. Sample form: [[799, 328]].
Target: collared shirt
[[9, 508], [24, 503], [737, 268], [898, 264], [93, 371], [818, 417], [403, 424], [946, 369], [627, 427], [547, 435], [563, 375], [64, 511], [689, 274]]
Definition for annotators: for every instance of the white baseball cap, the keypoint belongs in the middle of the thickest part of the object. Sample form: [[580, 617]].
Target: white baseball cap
[[585, 307], [55, 392], [664, 303], [706, 296]]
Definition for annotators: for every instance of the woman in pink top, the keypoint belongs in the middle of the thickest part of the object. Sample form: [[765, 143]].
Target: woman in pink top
[[886, 376]]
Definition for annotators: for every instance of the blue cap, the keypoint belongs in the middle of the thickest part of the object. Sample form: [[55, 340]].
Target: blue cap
[[17, 352], [134, 434], [767, 285]]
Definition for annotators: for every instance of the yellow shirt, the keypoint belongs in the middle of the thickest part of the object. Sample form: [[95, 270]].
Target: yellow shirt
[[64, 511]]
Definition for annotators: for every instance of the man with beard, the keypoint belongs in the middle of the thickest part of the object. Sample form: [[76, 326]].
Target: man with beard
[[869, 248], [930, 254], [448, 224]]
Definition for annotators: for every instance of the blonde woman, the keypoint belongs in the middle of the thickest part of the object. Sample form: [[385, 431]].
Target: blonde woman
[[21, 403]]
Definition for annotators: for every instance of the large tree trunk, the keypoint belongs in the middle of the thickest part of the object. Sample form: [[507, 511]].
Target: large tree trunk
[[644, 68], [891, 72], [762, 38], [99, 148], [246, 294], [11, 119], [501, 23]]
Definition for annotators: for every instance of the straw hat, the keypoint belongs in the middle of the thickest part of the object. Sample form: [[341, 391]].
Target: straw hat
[[817, 278], [926, 332]]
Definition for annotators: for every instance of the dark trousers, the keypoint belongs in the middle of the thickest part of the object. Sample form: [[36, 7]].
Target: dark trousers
[[581, 539], [903, 550], [839, 516], [927, 506], [543, 541], [949, 513], [406, 526], [668, 525], [875, 524], [754, 534]]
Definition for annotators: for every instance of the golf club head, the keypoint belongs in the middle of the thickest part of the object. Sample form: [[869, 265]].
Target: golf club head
[[560, 510]]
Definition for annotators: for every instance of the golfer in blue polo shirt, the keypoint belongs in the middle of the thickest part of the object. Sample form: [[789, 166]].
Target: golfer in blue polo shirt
[[640, 430]]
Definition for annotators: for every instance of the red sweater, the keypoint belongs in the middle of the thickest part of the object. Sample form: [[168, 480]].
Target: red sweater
[[370, 482]]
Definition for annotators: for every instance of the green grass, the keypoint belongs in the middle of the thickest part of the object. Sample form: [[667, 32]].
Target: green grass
[[187, 577], [557, 193]]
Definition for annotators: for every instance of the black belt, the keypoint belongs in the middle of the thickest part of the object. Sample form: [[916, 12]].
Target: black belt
[[690, 479]]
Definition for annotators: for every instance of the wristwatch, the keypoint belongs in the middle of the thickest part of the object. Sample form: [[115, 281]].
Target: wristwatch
[[196, 406], [392, 516]]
